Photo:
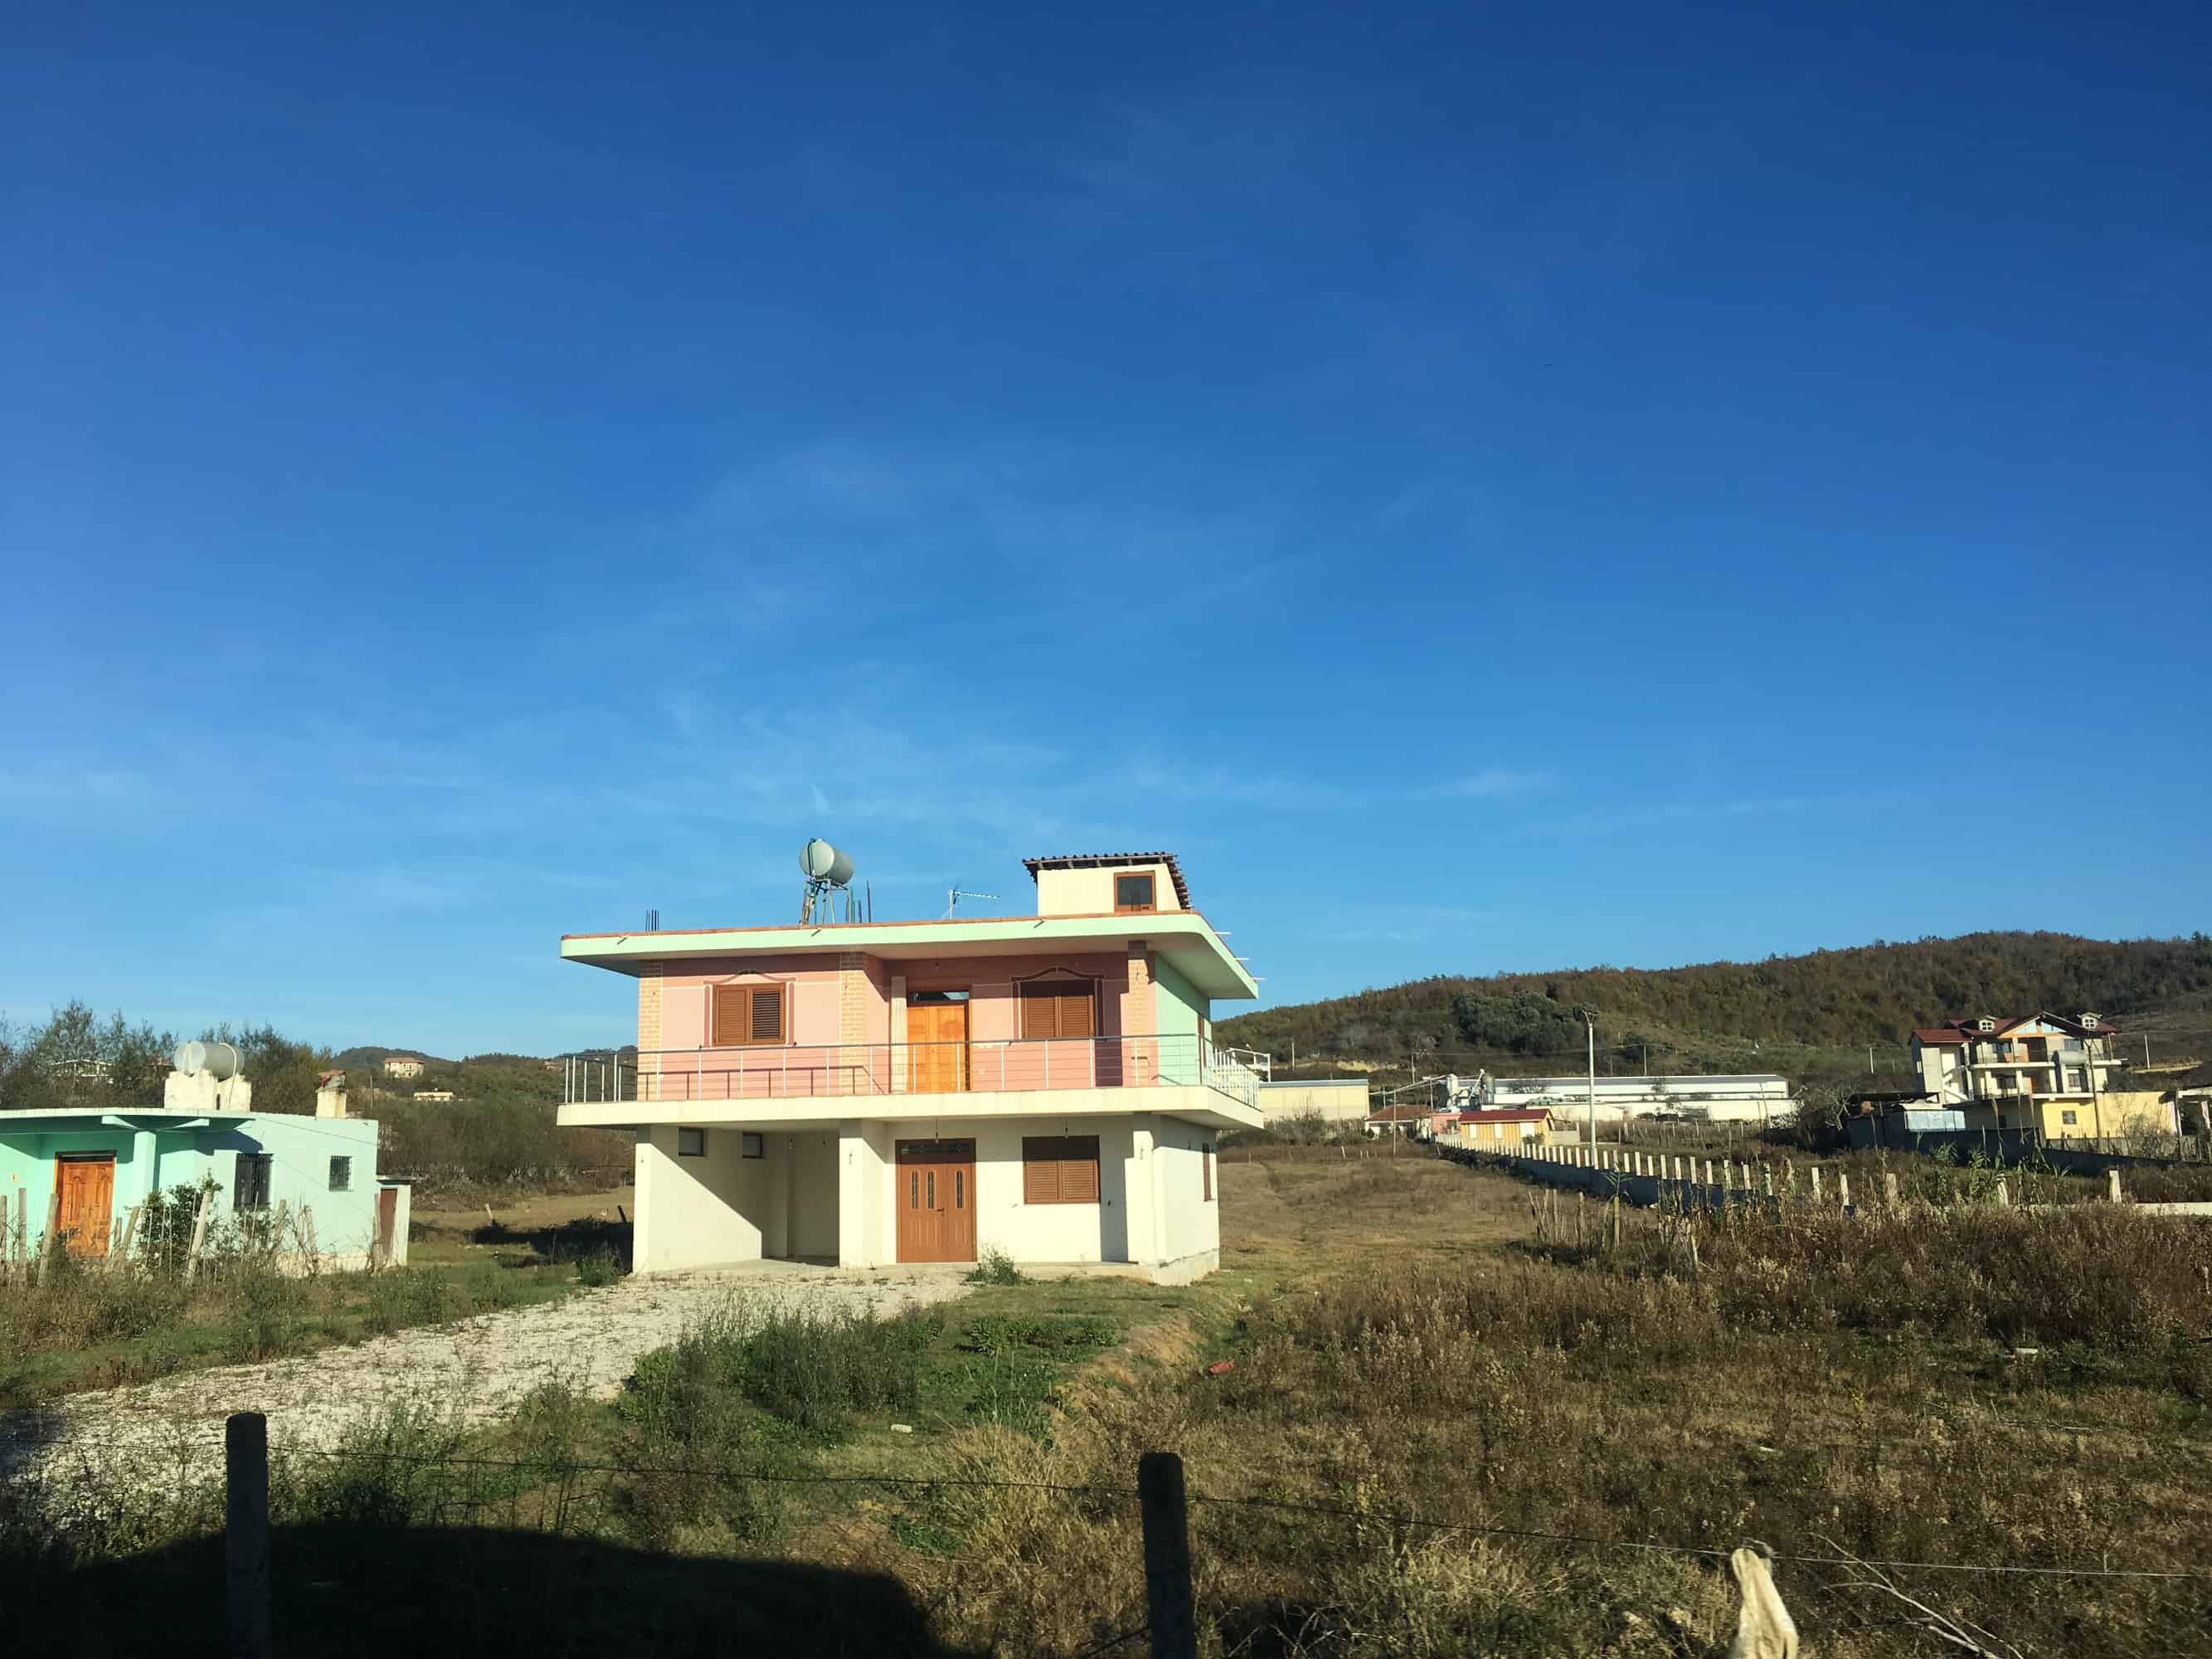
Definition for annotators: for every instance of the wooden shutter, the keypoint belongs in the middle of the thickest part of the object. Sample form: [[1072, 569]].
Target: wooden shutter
[[747, 1015], [1060, 1169], [1040, 1169], [1059, 1008]]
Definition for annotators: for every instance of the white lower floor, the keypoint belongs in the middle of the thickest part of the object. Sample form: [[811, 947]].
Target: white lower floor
[[866, 1193]]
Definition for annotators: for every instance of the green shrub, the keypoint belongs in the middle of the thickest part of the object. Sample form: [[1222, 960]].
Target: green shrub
[[598, 1270], [817, 1370], [995, 1266]]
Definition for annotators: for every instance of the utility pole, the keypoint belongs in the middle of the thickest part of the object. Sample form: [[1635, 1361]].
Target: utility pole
[[1590, 1021]]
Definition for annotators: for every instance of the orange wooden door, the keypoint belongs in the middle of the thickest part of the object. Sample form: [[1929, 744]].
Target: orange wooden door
[[84, 1188], [936, 1201], [937, 1059]]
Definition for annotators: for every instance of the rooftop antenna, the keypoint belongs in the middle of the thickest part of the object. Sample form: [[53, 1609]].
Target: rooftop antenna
[[954, 894], [828, 873], [653, 921]]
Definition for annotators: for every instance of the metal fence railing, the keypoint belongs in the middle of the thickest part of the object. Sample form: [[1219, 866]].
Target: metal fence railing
[[982, 1065]]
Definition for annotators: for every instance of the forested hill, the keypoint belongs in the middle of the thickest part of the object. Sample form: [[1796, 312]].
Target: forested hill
[[1708, 1016]]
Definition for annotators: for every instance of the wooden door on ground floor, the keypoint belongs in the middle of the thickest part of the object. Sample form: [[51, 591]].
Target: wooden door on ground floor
[[84, 1193], [936, 1201]]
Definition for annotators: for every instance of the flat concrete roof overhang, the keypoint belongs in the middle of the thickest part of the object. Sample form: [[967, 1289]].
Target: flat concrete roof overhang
[[1185, 938], [1192, 1101]]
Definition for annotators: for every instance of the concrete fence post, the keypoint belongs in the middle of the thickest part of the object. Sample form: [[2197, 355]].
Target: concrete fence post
[[1844, 1189], [2113, 1185], [1816, 1183], [245, 1535], [1164, 1509], [2004, 1195], [1889, 1189]]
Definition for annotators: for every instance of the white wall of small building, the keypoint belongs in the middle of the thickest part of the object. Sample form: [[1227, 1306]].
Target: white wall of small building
[[1089, 892]]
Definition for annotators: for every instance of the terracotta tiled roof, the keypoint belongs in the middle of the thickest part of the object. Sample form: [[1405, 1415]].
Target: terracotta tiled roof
[[1096, 860], [1501, 1115]]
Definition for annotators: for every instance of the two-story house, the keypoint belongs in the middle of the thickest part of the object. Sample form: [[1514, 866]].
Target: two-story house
[[2059, 1076], [870, 1093]]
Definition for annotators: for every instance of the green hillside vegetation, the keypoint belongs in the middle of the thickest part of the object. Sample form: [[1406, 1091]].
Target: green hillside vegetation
[[1811, 1017]]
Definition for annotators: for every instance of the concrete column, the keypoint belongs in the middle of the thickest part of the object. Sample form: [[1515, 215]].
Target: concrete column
[[1141, 1196], [864, 1239], [649, 1156], [898, 1034], [145, 1172]]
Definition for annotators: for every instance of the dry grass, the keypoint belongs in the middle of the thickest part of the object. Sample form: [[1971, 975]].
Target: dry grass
[[1403, 1348], [1420, 1386]]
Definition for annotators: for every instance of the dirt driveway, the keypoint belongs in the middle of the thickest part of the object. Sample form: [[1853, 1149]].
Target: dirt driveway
[[478, 1368]]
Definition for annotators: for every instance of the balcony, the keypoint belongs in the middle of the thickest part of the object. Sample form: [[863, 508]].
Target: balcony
[[771, 1072]]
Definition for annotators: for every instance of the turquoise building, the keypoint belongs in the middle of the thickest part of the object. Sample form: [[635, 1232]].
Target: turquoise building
[[88, 1168]]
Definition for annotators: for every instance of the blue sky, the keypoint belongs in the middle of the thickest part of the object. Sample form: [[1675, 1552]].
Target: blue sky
[[1499, 487]]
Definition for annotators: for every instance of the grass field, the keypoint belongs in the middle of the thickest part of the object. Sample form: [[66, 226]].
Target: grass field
[[1440, 1432]]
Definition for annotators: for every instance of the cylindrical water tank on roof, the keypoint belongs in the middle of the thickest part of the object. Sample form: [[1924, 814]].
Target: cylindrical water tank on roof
[[219, 1059], [823, 862]]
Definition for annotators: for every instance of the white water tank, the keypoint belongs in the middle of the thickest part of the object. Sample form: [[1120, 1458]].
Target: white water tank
[[822, 862], [220, 1061]]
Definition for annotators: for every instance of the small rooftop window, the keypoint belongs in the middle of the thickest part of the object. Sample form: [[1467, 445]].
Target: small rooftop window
[[1133, 892]]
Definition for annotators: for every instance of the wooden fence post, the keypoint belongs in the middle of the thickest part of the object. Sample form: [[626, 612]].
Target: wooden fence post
[[122, 1253], [53, 1233], [1164, 1509], [245, 1535], [199, 1231]]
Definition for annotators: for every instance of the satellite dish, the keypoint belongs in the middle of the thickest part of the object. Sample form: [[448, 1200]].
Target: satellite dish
[[821, 862]]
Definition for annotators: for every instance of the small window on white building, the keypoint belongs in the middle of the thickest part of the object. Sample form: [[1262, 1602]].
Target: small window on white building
[[341, 1175], [690, 1143], [750, 1145]]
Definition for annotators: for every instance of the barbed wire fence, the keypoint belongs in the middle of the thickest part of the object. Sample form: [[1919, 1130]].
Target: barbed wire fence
[[559, 1493]]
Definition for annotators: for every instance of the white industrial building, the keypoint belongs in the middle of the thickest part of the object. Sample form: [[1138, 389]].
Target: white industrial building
[[1744, 1098]]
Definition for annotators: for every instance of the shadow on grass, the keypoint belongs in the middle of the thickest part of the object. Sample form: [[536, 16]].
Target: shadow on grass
[[347, 1590], [568, 1241]]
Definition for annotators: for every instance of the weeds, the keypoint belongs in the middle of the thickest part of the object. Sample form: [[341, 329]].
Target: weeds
[[995, 1266]]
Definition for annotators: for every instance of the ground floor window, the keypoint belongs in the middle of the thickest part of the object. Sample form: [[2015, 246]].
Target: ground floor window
[[1060, 1169], [341, 1175], [750, 1145], [249, 1186], [2068, 1117], [690, 1143]]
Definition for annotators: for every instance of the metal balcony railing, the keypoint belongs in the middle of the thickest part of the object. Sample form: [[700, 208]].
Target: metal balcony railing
[[802, 1072]]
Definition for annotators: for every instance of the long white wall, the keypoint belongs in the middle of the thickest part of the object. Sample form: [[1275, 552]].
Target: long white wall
[[817, 1194]]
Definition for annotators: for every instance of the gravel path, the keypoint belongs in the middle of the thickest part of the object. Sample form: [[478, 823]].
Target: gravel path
[[478, 1368]]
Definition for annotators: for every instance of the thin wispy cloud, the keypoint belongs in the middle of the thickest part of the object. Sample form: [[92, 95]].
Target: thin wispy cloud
[[1497, 783]]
